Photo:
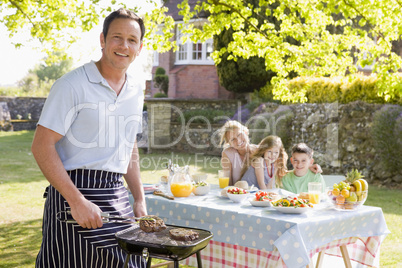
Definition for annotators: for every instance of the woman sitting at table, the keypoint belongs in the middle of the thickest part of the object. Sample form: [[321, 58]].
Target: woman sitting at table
[[238, 149]]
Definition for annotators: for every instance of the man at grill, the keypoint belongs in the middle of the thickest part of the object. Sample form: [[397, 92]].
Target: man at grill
[[85, 143]]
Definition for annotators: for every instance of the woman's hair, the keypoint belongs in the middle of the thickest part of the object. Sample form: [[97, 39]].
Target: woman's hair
[[229, 126], [268, 143]]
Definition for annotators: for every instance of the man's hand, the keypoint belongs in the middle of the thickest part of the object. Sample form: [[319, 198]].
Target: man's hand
[[87, 214]]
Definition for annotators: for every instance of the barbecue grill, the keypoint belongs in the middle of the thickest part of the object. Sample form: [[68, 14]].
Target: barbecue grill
[[159, 244]]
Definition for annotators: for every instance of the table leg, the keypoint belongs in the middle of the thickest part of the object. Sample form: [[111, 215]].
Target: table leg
[[345, 256], [320, 259], [199, 261]]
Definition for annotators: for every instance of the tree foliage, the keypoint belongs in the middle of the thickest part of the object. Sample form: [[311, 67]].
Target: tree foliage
[[300, 42], [55, 24], [318, 51], [240, 75]]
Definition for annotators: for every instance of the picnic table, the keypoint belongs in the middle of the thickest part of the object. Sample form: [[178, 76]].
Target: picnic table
[[247, 236]]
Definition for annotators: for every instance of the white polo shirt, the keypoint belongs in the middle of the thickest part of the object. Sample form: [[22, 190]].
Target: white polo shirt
[[99, 127]]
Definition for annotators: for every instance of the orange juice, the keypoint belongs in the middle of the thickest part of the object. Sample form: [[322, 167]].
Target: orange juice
[[223, 182], [314, 198], [181, 189]]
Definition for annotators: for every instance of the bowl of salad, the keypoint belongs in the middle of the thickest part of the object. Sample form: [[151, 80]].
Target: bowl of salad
[[237, 194], [263, 199], [292, 205], [201, 188]]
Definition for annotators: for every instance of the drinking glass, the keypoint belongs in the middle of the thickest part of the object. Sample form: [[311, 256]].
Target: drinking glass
[[314, 192], [223, 176]]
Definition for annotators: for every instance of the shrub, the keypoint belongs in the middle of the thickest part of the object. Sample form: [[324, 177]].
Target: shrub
[[206, 115], [161, 80], [386, 132], [338, 89], [160, 95]]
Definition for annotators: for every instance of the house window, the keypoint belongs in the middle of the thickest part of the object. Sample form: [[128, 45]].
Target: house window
[[156, 58], [193, 53]]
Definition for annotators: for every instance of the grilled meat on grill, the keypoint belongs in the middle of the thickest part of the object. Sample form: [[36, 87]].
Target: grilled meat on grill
[[150, 226]]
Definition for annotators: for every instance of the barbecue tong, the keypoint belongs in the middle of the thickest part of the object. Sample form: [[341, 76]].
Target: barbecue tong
[[106, 218]]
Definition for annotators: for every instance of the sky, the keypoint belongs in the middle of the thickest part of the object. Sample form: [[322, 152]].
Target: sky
[[15, 63]]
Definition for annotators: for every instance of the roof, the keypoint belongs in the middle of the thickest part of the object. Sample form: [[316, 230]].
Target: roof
[[174, 10]]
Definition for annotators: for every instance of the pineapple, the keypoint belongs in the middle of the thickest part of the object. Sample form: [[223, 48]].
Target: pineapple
[[353, 176], [357, 183]]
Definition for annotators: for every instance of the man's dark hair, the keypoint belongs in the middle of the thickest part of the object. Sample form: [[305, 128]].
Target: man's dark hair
[[122, 13]]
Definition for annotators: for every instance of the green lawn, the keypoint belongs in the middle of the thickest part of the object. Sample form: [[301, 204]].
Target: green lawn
[[22, 186]]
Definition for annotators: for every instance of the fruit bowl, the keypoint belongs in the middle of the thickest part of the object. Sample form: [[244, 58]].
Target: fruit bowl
[[348, 204]]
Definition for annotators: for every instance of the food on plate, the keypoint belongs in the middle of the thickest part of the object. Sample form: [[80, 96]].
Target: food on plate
[[266, 196], [304, 195], [201, 188], [183, 234], [292, 202], [199, 184], [152, 223], [236, 190], [241, 184]]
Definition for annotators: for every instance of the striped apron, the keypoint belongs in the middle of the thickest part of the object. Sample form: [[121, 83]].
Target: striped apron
[[69, 245]]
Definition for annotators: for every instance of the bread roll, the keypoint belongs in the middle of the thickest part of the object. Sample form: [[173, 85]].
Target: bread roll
[[242, 184], [164, 179], [304, 195], [224, 193]]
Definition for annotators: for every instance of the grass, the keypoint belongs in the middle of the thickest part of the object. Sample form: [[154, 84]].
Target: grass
[[22, 186]]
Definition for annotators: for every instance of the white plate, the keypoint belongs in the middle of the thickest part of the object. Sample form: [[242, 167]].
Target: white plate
[[252, 189], [150, 188], [259, 203], [293, 210]]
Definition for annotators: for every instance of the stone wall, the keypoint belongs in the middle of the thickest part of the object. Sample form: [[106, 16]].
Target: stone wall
[[338, 133], [166, 134], [24, 111]]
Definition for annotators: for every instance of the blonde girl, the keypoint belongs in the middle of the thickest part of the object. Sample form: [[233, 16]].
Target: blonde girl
[[267, 164]]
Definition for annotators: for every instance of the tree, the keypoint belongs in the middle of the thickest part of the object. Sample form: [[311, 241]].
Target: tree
[[54, 23], [240, 75], [43, 75], [52, 70], [317, 50]]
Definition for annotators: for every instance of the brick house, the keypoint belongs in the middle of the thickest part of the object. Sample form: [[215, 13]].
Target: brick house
[[191, 70]]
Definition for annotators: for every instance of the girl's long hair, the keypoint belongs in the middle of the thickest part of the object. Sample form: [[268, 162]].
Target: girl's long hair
[[280, 164]]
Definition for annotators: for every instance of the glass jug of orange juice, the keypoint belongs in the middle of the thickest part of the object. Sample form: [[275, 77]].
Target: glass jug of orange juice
[[181, 184]]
